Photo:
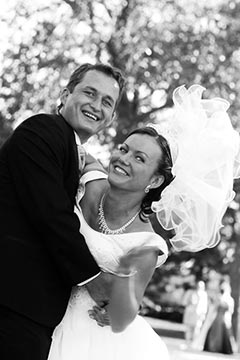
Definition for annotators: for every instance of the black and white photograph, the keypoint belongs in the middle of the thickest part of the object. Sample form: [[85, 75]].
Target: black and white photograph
[[120, 180]]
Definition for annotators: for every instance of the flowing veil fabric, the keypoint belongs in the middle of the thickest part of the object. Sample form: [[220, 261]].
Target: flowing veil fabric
[[206, 159]]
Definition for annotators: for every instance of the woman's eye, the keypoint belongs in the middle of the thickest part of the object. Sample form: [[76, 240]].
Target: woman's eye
[[139, 158], [122, 149]]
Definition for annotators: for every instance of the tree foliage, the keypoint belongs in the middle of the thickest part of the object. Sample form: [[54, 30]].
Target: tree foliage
[[158, 45]]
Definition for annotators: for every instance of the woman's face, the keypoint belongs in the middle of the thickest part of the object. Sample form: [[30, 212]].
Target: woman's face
[[133, 165]]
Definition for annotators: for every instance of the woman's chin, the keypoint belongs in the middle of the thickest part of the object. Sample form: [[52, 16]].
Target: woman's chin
[[116, 180]]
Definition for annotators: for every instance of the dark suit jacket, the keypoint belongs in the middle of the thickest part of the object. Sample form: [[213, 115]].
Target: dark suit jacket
[[42, 253]]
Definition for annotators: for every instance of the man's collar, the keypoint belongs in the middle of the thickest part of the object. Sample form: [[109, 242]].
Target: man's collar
[[77, 138]]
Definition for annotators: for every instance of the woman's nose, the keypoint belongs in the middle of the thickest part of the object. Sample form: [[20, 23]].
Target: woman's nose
[[125, 158]]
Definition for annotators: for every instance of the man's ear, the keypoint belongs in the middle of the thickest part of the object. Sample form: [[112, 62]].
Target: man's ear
[[64, 94], [157, 181], [114, 116]]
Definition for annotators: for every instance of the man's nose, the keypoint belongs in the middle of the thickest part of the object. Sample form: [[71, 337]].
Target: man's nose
[[96, 103]]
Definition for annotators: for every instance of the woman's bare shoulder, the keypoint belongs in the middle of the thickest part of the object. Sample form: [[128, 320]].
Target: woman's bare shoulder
[[142, 226]]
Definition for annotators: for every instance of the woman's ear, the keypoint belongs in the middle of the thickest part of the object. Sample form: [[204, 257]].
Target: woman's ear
[[157, 181]]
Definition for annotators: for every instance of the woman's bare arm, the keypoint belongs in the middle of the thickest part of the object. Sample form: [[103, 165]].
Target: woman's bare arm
[[127, 292]]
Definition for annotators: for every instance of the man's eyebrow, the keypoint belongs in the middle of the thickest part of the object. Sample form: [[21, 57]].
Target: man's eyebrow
[[90, 88]]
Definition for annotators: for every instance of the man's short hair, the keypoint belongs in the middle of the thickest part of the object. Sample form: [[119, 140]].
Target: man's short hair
[[78, 75]]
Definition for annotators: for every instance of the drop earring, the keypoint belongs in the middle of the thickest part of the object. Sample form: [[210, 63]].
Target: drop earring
[[147, 189]]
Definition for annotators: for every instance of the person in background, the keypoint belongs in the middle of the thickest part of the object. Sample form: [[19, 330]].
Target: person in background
[[190, 315], [201, 307], [219, 337], [196, 301]]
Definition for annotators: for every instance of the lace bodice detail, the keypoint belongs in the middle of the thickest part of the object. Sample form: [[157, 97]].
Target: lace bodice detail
[[107, 249]]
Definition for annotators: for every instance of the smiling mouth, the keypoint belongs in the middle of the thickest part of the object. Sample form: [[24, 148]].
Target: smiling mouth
[[121, 171], [90, 115]]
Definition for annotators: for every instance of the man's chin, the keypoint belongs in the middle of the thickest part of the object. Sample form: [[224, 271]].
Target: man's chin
[[84, 133], [88, 130]]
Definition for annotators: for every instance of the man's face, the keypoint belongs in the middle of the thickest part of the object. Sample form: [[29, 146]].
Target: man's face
[[90, 107]]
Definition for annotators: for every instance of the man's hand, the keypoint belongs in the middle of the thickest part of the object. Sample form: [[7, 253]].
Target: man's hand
[[99, 288], [100, 315]]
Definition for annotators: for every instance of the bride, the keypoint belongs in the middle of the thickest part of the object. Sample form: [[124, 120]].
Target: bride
[[154, 170]]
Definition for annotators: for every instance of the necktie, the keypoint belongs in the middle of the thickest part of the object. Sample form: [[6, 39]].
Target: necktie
[[81, 154], [81, 163], [81, 158]]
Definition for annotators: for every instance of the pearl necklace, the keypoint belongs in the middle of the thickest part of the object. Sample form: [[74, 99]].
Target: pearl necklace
[[103, 224]]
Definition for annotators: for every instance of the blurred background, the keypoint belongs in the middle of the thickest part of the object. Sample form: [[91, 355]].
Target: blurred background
[[158, 45]]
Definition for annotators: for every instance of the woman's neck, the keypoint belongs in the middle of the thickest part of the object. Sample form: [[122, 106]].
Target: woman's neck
[[117, 211], [118, 205]]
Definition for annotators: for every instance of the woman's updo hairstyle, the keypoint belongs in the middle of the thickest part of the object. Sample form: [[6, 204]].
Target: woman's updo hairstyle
[[164, 168]]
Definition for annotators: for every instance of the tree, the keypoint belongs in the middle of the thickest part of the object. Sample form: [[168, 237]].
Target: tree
[[159, 45]]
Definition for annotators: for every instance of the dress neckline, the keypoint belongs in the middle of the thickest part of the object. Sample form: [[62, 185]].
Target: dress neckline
[[126, 233], [163, 246]]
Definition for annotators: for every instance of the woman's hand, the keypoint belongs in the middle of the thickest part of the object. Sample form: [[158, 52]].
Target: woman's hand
[[130, 262]]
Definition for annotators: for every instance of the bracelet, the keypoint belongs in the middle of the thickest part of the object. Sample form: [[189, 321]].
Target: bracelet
[[119, 274]]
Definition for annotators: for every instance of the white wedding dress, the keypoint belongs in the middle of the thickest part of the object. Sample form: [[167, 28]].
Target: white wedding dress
[[78, 337]]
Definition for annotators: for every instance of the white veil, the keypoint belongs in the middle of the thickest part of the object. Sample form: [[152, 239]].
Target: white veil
[[206, 158]]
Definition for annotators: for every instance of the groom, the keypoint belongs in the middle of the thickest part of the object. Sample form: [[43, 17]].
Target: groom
[[42, 253]]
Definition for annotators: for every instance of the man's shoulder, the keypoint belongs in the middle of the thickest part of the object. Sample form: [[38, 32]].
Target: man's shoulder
[[44, 128], [46, 123], [44, 118]]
